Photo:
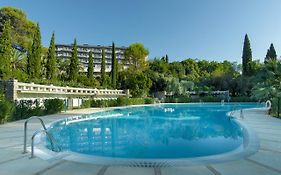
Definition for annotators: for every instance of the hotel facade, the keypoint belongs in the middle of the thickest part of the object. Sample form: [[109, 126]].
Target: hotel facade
[[64, 52]]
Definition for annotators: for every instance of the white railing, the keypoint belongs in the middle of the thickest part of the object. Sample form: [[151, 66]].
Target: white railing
[[50, 89]]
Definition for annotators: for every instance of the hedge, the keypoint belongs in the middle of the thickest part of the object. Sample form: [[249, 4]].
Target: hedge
[[122, 101]]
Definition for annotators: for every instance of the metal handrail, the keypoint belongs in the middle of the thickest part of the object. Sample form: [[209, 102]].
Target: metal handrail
[[32, 140], [25, 130], [241, 114], [33, 136]]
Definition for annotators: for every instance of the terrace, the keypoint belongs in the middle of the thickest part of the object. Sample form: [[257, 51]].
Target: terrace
[[265, 161]]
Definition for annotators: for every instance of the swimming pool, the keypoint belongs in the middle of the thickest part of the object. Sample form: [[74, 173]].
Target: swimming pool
[[154, 134]]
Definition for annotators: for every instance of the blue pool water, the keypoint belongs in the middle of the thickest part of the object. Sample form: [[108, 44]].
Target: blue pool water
[[165, 131]]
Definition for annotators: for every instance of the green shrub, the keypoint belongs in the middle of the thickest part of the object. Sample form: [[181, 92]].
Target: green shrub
[[149, 101], [179, 99], [53, 106], [104, 103], [6, 110], [122, 101], [274, 107], [125, 101], [27, 108], [86, 104], [185, 99], [242, 99], [210, 99]]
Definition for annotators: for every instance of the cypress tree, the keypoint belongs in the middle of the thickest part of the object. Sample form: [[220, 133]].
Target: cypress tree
[[113, 67], [166, 59], [103, 74], [34, 56], [6, 52], [246, 57], [74, 62], [51, 60], [90, 66], [37, 51], [271, 54]]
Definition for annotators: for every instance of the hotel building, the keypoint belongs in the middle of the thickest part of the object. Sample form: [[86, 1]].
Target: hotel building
[[64, 52]]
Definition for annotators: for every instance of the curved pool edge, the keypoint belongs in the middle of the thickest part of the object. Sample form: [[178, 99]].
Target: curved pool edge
[[249, 146]]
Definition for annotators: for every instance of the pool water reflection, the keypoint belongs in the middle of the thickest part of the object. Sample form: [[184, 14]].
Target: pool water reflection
[[152, 132]]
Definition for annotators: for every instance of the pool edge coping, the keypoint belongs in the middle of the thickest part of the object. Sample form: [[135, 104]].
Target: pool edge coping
[[243, 151]]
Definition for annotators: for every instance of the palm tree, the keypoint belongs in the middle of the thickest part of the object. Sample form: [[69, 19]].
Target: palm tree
[[18, 61], [270, 83]]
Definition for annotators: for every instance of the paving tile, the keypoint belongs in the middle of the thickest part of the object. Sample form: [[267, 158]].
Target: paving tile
[[271, 159], [72, 168], [9, 153], [194, 170], [270, 145], [269, 136], [129, 171], [24, 166], [243, 167]]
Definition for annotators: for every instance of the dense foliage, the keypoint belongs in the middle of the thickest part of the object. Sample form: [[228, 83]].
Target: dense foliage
[[121, 101], [6, 52], [26, 108], [136, 55], [53, 106], [22, 29], [6, 109]]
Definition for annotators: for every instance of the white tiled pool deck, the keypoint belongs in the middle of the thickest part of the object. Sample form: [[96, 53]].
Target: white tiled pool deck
[[266, 161]]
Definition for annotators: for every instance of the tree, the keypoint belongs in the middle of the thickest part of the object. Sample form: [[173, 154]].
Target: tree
[[63, 66], [114, 65], [22, 29], [5, 52], [158, 81], [246, 57], [139, 84], [191, 70], [187, 85], [74, 63], [103, 73], [271, 54], [157, 65], [177, 69], [174, 86], [18, 65], [90, 73], [34, 56], [6, 108], [136, 55], [166, 59], [51, 60]]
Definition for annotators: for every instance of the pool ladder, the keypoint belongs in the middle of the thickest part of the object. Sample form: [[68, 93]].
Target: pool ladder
[[241, 113], [33, 136]]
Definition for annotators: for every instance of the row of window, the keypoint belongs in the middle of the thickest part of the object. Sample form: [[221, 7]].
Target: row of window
[[86, 55], [89, 49], [97, 68]]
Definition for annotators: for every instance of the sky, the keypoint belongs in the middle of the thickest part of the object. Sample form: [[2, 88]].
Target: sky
[[204, 29]]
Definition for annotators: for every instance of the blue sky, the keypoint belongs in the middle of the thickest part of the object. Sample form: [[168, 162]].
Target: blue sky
[[203, 29]]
